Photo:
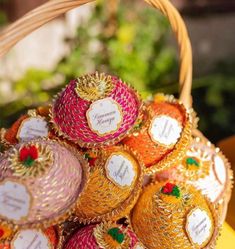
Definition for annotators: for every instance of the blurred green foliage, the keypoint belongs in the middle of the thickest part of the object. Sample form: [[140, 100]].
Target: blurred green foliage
[[132, 44], [3, 16], [132, 47], [214, 100]]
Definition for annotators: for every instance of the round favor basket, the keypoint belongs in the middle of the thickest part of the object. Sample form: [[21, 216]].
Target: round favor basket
[[54, 8]]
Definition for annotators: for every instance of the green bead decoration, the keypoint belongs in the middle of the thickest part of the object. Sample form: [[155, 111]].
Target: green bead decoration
[[116, 234]]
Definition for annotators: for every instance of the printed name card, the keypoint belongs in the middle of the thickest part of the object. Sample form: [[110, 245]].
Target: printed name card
[[165, 130], [121, 170], [14, 200], [32, 127], [199, 227], [30, 239], [104, 116]]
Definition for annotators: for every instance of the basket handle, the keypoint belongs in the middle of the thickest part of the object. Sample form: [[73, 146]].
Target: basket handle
[[52, 9]]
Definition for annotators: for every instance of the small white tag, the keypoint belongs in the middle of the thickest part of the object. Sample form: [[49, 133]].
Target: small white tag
[[30, 239], [165, 130], [120, 170], [220, 169], [14, 200], [104, 116], [199, 226], [32, 127]]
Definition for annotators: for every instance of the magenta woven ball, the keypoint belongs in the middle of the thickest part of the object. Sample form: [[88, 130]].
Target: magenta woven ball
[[97, 237], [40, 183], [95, 110]]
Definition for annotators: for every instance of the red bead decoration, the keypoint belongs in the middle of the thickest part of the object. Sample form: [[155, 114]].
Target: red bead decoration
[[29, 151], [168, 188]]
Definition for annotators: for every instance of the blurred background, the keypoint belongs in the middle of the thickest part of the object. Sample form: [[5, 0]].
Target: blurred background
[[130, 40]]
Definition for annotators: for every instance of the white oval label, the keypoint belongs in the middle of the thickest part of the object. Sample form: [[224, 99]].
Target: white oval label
[[30, 239], [32, 127], [15, 200], [219, 168], [165, 130], [198, 227], [120, 170], [104, 116]]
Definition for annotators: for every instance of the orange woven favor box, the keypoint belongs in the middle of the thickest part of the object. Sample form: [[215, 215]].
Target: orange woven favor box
[[164, 134]]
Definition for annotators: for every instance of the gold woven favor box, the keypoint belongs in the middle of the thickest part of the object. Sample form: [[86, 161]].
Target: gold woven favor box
[[114, 183], [171, 215]]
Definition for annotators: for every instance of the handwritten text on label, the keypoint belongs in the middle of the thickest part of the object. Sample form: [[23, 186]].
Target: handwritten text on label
[[104, 116], [120, 170], [165, 130], [14, 200], [199, 226], [30, 239], [32, 127]]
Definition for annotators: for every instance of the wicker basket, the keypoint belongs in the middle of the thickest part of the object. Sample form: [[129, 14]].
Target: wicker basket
[[52, 9]]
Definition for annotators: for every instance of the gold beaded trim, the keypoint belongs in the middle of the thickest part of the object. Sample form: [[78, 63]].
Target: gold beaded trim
[[92, 87]]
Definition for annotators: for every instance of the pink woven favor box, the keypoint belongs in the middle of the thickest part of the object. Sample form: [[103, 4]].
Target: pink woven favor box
[[40, 183], [104, 235], [95, 110]]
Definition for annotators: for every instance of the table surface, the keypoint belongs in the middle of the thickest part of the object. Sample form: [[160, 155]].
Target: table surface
[[227, 238]]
